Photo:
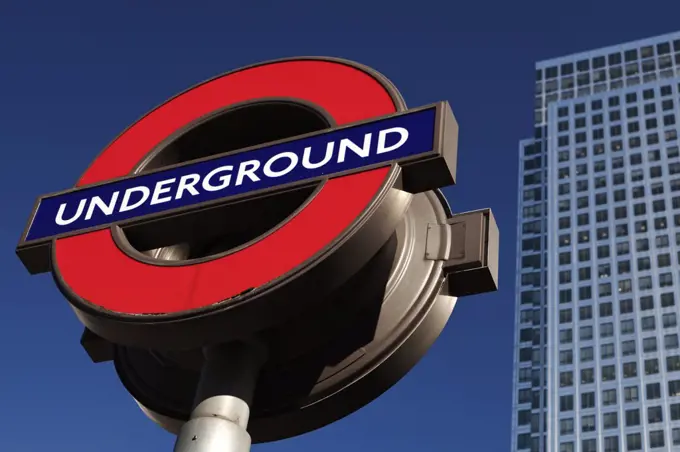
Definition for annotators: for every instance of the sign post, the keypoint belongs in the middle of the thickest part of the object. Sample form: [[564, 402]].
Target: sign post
[[219, 419], [266, 252]]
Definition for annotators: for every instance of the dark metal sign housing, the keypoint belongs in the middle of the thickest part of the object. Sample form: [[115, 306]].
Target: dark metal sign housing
[[292, 206]]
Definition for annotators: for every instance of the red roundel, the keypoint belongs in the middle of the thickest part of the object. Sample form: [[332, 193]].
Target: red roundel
[[93, 269]]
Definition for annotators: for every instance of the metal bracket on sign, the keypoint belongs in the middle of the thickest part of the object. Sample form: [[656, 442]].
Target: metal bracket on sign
[[468, 245]]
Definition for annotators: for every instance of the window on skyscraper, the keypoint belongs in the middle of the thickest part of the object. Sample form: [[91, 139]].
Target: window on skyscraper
[[628, 326], [632, 417], [589, 445], [656, 438], [651, 366], [588, 423], [673, 388], [633, 441], [654, 415], [587, 376], [608, 373], [653, 391], [629, 370], [567, 403], [649, 344], [628, 348], [610, 420]]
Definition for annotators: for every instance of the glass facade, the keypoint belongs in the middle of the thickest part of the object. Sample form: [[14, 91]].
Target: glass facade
[[598, 281]]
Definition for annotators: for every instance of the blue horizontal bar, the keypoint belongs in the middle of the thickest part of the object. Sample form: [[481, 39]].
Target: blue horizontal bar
[[325, 154]]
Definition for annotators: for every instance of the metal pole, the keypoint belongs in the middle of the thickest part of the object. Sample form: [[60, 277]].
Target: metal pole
[[219, 419]]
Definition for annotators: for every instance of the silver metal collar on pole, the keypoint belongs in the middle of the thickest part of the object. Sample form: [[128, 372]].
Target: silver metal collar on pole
[[221, 411]]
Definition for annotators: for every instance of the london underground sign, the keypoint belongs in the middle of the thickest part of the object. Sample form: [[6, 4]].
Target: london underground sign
[[269, 245], [406, 139]]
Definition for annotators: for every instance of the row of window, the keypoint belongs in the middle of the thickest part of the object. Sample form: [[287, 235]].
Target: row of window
[[614, 101], [619, 213], [583, 255], [619, 195], [581, 153], [540, 115], [606, 310], [603, 251], [608, 371], [614, 116], [612, 73], [632, 418], [533, 297], [580, 110], [661, 242], [602, 198], [628, 347], [618, 178], [600, 165], [534, 262], [616, 130], [586, 312], [606, 330], [613, 58], [670, 136], [628, 369], [607, 351], [634, 142], [596, 106], [610, 421], [588, 399], [633, 442], [604, 289], [609, 396]]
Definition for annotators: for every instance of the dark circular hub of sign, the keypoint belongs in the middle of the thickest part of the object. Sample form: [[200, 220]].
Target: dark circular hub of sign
[[327, 364], [232, 129]]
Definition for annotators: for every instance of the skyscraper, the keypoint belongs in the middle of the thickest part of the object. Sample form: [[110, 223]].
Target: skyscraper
[[598, 284]]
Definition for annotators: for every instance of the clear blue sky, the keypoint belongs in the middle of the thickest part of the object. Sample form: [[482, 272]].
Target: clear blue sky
[[74, 74]]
